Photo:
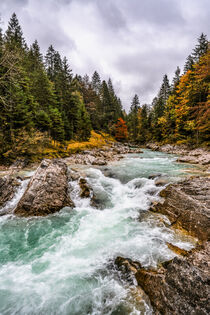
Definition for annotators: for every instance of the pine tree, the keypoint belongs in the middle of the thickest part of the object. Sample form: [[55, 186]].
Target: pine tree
[[86, 81], [201, 48], [143, 125], [176, 78], [36, 55], [107, 107], [49, 62], [57, 125], [133, 118], [83, 123], [14, 35], [66, 71], [96, 82], [189, 64]]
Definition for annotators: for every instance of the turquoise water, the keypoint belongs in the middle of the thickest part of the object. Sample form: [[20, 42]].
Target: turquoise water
[[63, 263]]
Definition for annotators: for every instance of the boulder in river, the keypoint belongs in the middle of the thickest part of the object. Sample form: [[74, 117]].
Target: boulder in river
[[85, 189], [47, 191], [187, 206]]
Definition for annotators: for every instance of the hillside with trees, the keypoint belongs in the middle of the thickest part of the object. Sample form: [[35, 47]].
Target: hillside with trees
[[43, 102], [180, 113]]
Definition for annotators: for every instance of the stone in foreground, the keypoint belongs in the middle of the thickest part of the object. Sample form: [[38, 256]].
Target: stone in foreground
[[181, 286], [47, 191]]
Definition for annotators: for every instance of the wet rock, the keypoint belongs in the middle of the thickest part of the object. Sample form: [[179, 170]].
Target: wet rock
[[188, 159], [8, 188], [177, 250], [187, 205], [75, 175], [99, 162], [47, 191], [180, 286], [128, 267], [161, 181], [153, 176], [85, 189], [153, 146], [195, 158]]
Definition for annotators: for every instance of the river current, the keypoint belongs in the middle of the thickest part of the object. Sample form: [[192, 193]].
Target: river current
[[63, 263]]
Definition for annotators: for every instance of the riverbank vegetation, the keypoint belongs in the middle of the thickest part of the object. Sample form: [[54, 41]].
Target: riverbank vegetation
[[180, 113], [47, 111]]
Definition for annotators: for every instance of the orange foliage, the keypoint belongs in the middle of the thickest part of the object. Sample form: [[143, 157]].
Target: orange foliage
[[121, 131]]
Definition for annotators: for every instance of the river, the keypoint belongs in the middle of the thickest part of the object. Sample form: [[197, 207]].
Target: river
[[63, 263]]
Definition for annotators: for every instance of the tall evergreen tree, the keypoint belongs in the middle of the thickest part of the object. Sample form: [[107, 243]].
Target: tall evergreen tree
[[189, 64], [96, 82], [49, 62], [201, 48], [14, 35], [176, 78], [133, 118]]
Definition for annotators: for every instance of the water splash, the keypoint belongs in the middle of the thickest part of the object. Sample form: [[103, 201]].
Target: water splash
[[11, 205]]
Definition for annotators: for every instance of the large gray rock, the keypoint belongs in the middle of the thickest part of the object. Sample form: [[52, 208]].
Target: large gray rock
[[47, 190], [187, 205], [181, 286]]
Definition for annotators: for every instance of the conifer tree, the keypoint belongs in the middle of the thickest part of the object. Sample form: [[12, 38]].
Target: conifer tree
[[189, 64], [133, 118], [176, 78], [14, 35], [201, 48], [49, 62], [96, 82]]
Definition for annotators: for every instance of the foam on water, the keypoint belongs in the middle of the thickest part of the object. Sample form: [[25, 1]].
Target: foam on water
[[60, 264]]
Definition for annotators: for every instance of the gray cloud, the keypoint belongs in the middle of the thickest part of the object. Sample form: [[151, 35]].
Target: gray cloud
[[134, 42], [111, 14]]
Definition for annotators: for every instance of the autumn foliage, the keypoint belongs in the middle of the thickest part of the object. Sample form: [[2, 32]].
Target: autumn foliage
[[121, 131]]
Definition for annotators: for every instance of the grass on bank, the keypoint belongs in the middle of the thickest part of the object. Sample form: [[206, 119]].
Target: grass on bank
[[36, 146]]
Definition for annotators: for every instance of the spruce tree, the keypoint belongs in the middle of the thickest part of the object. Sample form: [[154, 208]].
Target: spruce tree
[[57, 125], [14, 35], [133, 117], [176, 78], [49, 62], [96, 82], [201, 48], [189, 64], [107, 107]]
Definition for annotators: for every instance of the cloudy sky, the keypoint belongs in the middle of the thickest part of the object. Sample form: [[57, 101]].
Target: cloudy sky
[[135, 42]]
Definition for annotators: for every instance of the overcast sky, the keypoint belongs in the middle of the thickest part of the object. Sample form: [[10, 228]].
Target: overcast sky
[[135, 42]]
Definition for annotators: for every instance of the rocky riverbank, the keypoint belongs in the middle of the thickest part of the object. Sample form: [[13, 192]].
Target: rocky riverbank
[[180, 286], [186, 155], [95, 156], [101, 156]]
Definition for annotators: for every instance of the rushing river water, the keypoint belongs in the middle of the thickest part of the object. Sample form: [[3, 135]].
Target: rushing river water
[[63, 263]]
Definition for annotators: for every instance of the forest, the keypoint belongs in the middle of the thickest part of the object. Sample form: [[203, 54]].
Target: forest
[[43, 103]]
